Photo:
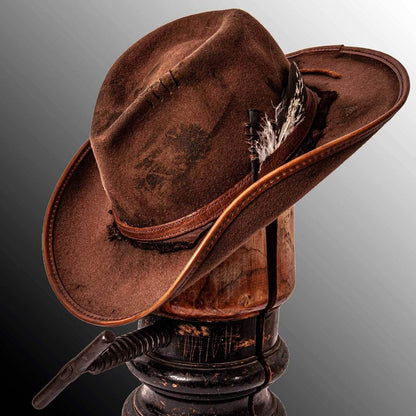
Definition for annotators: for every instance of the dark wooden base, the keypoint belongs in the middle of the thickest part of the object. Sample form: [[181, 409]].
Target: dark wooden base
[[145, 402], [211, 368]]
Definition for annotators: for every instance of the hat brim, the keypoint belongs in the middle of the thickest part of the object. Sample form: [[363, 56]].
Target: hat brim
[[112, 282]]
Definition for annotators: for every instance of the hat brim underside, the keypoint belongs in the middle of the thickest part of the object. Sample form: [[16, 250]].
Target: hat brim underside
[[112, 282]]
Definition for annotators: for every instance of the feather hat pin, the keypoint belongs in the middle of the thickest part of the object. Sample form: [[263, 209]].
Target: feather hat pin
[[287, 115]]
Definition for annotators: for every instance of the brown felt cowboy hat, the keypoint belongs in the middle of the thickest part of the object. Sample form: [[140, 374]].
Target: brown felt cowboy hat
[[162, 192]]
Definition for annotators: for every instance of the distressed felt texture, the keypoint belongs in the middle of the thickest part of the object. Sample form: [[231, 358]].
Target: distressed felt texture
[[113, 282], [167, 127]]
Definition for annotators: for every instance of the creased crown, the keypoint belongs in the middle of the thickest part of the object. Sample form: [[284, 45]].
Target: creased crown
[[168, 126]]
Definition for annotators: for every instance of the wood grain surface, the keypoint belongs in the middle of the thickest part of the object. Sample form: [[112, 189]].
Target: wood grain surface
[[239, 286]]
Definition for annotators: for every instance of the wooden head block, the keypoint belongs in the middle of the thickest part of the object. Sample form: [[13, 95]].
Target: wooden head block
[[239, 287]]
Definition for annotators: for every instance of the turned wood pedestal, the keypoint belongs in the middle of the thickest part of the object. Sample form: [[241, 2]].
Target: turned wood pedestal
[[225, 349]]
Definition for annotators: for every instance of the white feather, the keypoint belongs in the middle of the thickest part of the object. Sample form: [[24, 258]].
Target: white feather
[[270, 136]]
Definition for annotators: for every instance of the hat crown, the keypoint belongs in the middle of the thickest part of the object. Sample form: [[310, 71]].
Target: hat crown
[[168, 126]]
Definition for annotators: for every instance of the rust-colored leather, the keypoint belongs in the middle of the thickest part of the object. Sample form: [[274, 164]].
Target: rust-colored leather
[[213, 80]]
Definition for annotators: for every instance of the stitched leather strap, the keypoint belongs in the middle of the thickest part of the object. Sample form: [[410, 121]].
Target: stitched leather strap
[[213, 210]]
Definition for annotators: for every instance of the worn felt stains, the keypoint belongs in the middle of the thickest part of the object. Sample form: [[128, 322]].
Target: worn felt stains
[[326, 99], [167, 161], [177, 111]]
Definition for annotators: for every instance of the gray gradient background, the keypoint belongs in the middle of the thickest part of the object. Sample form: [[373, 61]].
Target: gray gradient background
[[350, 323]]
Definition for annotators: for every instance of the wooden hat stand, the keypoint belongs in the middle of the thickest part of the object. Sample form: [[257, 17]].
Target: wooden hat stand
[[224, 349]]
